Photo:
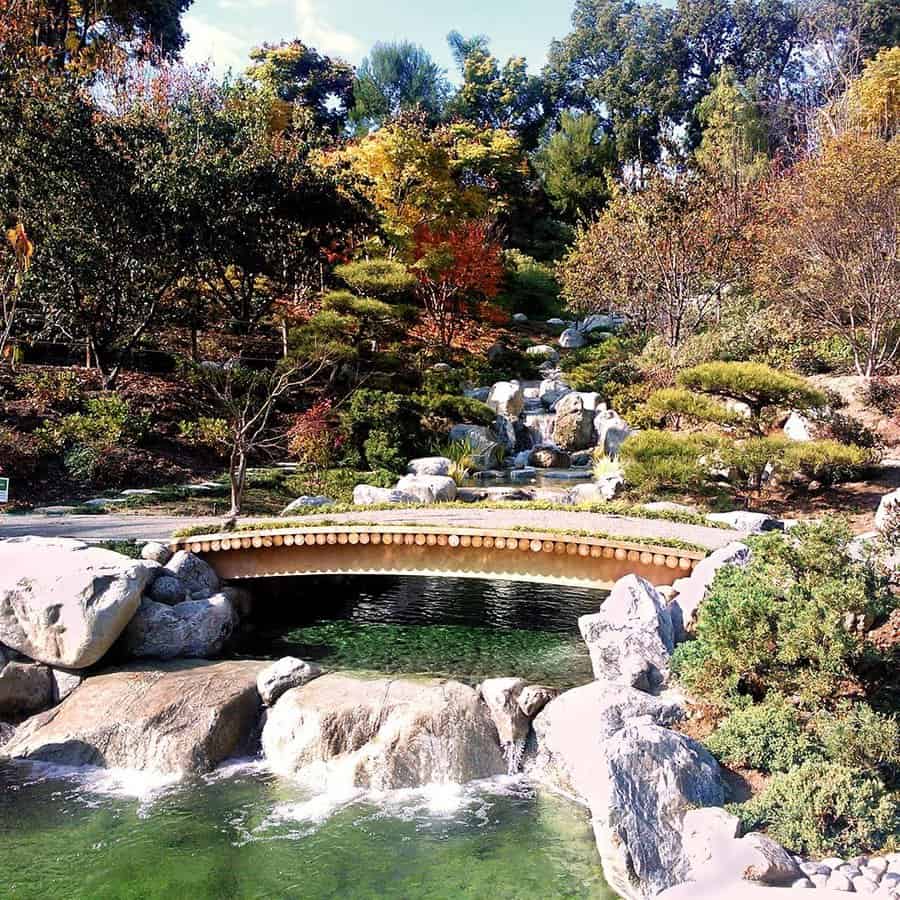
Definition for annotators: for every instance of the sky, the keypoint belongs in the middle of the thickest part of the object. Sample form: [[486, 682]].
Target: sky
[[223, 31]]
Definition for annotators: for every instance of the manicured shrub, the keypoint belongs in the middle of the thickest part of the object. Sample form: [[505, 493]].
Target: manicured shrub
[[678, 409], [381, 278], [825, 810], [858, 736], [381, 430], [604, 367], [760, 387], [529, 287], [656, 460], [749, 462], [767, 736], [777, 625], [827, 462], [337, 484], [455, 409]]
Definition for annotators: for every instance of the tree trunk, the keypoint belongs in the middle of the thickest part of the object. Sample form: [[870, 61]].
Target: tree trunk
[[237, 473]]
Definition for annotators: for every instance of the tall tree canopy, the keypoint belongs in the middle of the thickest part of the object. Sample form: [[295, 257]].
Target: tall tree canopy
[[396, 78]]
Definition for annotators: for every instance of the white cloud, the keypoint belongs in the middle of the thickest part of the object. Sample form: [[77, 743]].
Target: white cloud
[[209, 43], [315, 32]]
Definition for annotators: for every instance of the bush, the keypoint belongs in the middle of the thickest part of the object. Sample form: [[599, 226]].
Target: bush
[[311, 439], [760, 387], [106, 423], [777, 625], [51, 389], [206, 431], [530, 287], [677, 408], [382, 430], [825, 810], [381, 278], [882, 394], [749, 461], [768, 736], [654, 460], [455, 409], [827, 462], [858, 736], [20, 454], [607, 368]]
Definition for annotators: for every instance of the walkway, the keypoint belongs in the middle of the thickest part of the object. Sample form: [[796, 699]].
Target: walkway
[[124, 527]]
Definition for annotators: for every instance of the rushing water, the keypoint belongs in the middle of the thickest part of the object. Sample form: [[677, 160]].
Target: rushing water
[[462, 628], [247, 834]]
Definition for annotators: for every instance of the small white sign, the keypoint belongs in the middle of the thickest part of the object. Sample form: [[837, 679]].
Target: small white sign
[[4, 490]]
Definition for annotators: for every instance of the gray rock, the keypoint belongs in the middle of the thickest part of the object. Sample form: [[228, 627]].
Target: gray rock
[[798, 428], [838, 882], [64, 682], [612, 431], [288, 672], [479, 393], [168, 718], [156, 552], [502, 698], [369, 495], [819, 880], [655, 776], [195, 629], [705, 831], [887, 517], [572, 339], [382, 734], [7, 730], [744, 520], [862, 884], [506, 398], [574, 425], [486, 449], [759, 858], [431, 465], [197, 574], [306, 501], [631, 639], [600, 491], [802, 883], [25, 688], [428, 488], [519, 317], [552, 390], [690, 592], [64, 603], [534, 697], [168, 589], [549, 458], [545, 351]]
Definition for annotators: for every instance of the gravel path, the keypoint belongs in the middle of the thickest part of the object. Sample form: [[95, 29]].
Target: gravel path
[[122, 527]]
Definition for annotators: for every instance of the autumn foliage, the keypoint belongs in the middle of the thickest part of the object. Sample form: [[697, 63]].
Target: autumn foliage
[[454, 269]]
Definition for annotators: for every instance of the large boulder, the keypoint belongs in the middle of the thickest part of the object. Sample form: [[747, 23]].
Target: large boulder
[[486, 450], [25, 688], [170, 718], [305, 502], [612, 431], [153, 551], [549, 458], [690, 592], [430, 465], [506, 399], [195, 629], [198, 575], [747, 521], [552, 390], [369, 495], [887, 518], [544, 351], [601, 491], [572, 339], [63, 602], [428, 488], [288, 672], [631, 639], [168, 589], [382, 734], [655, 777], [798, 428], [574, 425]]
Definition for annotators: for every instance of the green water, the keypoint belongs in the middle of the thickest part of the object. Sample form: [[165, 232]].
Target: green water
[[247, 834], [467, 629]]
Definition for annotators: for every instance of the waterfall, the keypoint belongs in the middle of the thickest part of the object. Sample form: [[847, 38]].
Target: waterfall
[[514, 752], [541, 427]]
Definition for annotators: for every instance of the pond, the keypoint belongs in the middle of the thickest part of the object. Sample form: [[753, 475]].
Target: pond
[[468, 629]]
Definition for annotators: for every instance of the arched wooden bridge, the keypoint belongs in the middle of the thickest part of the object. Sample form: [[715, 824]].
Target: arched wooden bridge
[[512, 555]]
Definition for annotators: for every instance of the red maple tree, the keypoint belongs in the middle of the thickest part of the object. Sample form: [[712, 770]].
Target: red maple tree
[[453, 269]]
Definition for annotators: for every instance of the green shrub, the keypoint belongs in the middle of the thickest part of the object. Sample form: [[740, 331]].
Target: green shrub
[[206, 431], [777, 624], [825, 810], [107, 422], [456, 409], [51, 389], [824, 461], [768, 736], [382, 430], [760, 387], [677, 408], [858, 736], [598, 367], [444, 381], [530, 287], [655, 460], [382, 278], [748, 461]]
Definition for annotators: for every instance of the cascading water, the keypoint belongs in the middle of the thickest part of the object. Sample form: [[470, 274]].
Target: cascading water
[[540, 425], [514, 753]]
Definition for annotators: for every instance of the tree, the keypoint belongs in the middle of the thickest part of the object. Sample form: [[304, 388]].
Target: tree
[[17, 260], [830, 246], [496, 96], [396, 78], [453, 268], [576, 166], [298, 75], [762, 388], [622, 63], [873, 99], [661, 255]]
